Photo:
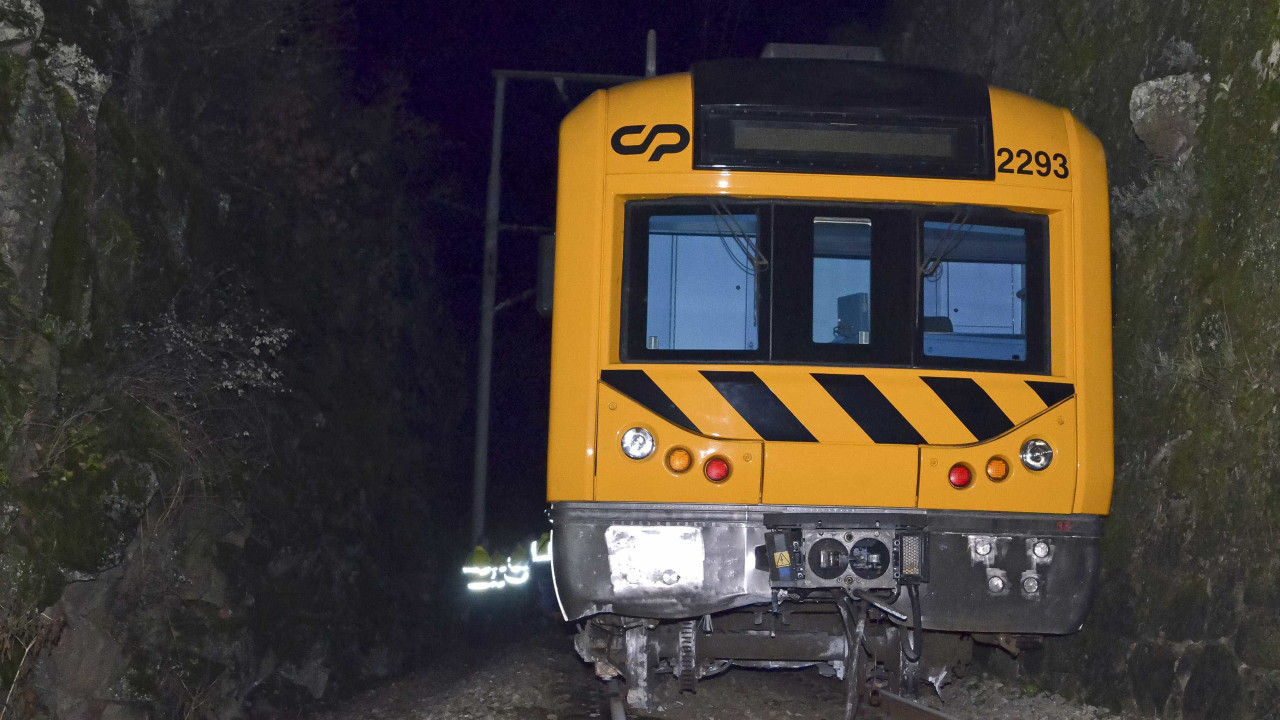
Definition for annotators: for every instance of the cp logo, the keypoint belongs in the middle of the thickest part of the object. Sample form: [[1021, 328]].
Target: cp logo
[[675, 145]]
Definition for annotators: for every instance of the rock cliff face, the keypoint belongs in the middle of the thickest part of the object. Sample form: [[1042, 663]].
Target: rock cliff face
[[1186, 99], [219, 353]]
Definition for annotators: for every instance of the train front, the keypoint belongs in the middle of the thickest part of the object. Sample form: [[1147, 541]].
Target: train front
[[831, 349]]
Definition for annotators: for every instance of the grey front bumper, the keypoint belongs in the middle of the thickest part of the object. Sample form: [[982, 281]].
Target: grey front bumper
[[957, 597]]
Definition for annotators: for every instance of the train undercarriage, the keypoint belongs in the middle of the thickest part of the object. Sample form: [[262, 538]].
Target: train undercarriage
[[885, 600], [849, 641]]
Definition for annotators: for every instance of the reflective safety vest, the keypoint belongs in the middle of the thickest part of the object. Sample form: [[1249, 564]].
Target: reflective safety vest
[[541, 548], [479, 557], [519, 556]]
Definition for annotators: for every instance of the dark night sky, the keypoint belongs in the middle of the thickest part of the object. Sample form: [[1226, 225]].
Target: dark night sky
[[445, 53]]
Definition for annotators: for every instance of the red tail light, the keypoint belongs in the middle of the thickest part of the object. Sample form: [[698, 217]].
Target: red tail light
[[960, 476], [717, 469]]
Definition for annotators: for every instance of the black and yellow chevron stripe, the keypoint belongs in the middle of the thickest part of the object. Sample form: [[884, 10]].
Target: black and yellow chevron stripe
[[891, 407]]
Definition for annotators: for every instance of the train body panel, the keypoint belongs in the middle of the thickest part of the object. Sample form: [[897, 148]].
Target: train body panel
[[1092, 263], [592, 231], [619, 478], [579, 283], [840, 474], [822, 331], [854, 457]]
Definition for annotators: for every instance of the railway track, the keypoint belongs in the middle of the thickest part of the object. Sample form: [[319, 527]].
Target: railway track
[[888, 707], [896, 707]]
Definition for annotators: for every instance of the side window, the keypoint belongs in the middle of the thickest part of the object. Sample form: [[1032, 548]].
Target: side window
[[702, 286], [842, 280], [974, 280]]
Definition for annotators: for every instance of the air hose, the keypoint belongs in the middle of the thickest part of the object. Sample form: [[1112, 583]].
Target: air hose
[[911, 650]]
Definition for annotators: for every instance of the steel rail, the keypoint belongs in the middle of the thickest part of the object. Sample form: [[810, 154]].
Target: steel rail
[[896, 707]]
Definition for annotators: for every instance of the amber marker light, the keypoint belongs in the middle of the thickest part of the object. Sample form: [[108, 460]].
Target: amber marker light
[[960, 476], [997, 468], [716, 469], [679, 460]]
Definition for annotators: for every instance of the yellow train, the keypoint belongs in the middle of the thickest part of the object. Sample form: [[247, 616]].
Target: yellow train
[[831, 366]]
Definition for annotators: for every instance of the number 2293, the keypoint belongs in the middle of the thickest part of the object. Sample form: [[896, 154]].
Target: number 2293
[[1043, 162]]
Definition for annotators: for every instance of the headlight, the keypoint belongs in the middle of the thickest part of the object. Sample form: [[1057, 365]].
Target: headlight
[[1036, 454], [637, 443]]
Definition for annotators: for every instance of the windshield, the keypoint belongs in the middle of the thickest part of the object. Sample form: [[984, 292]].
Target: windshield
[[974, 291], [842, 280], [763, 281], [702, 282]]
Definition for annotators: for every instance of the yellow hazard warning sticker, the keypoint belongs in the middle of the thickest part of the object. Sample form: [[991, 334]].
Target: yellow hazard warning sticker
[[782, 559]]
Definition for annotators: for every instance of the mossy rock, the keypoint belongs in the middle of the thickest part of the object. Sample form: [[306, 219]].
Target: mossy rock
[[85, 506], [1152, 673], [13, 82], [1213, 685], [20, 21], [1262, 583], [1184, 610], [69, 252], [1258, 641]]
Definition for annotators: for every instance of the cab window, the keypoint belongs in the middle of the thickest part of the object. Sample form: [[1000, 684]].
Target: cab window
[[701, 285], [842, 280], [974, 283], [830, 284]]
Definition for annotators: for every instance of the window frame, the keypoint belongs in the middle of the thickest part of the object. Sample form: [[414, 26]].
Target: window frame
[[635, 281], [1036, 312], [897, 289], [890, 286]]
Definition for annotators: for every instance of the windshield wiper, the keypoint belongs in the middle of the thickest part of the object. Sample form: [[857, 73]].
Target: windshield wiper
[[952, 236], [729, 227]]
